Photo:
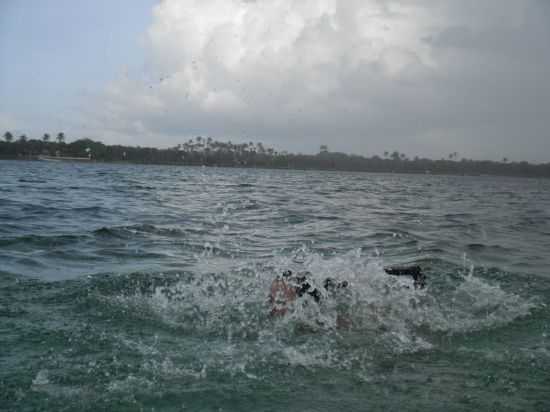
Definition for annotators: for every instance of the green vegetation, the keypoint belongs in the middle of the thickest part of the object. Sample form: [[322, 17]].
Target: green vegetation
[[209, 152]]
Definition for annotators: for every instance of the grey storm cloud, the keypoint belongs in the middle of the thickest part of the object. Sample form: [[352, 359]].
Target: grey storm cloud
[[362, 76]]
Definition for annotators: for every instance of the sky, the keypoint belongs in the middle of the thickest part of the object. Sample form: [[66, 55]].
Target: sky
[[423, 77]]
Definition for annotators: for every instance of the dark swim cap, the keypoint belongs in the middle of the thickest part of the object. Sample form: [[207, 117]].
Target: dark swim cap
[[328, 283]]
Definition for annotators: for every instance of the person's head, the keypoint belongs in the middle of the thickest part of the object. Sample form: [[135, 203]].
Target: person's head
[[329, 284]]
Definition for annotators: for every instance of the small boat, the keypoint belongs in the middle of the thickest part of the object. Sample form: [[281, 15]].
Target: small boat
[[63, 159]]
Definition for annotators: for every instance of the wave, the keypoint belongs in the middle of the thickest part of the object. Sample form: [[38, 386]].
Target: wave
[[385, 313], [27, 180], [41, 240], [148, 331], [140, 229], [130, 187], [482, 246]]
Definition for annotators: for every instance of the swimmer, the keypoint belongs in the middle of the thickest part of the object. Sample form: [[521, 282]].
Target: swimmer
[[286, 289]]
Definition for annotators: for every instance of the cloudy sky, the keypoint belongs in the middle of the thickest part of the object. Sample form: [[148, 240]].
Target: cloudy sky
[[362, 76]]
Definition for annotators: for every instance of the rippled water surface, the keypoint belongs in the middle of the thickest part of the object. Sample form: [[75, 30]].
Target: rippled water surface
[[127, 287]]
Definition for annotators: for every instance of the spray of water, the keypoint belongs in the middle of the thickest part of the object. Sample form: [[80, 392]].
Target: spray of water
[[223, 322]]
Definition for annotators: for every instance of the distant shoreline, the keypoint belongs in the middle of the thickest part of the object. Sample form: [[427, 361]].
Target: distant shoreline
[[209, 153]]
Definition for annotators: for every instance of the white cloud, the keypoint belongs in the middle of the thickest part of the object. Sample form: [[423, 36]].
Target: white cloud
[[361, 75]]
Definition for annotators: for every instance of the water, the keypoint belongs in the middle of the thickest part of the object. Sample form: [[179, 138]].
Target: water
[[129, 287]]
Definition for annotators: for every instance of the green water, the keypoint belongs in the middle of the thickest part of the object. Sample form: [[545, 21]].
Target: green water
[[145, 288]]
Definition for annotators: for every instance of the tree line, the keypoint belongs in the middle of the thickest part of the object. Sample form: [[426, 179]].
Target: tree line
[[209, 152]]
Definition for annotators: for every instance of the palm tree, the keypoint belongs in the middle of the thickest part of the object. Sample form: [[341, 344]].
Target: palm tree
[[23, 138], [8, 137], [60, 137], [386, 153], [46, 138]]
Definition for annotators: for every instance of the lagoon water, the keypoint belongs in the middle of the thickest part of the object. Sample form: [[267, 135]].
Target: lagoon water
[[131, 287]]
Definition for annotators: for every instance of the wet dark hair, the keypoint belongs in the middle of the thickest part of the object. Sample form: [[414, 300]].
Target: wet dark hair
[[331, 283], [303, 286], [328, 282]]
